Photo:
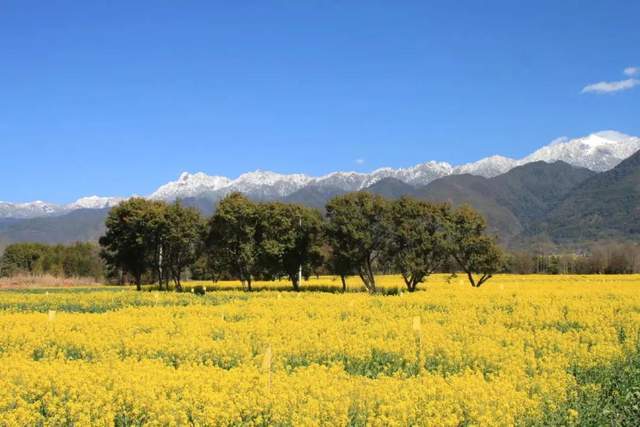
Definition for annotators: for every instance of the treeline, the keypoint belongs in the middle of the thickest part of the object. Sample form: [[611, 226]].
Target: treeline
[[77, 260], [609, 258], [361, 234]]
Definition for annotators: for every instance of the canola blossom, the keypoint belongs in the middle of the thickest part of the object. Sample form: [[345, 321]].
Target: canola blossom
[[446, 355]]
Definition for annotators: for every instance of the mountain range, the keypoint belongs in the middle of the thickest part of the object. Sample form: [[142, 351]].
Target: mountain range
[[567, 192], [598, 152]]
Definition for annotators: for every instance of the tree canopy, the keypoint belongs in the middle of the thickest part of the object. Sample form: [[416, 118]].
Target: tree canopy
[[417, 243], [357, 229], [476, 253]]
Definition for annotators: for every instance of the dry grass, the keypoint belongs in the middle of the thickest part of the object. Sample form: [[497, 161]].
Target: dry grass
[[45, 281]]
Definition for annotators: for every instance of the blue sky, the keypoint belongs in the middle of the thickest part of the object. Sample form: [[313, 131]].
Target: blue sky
[[114, 98]]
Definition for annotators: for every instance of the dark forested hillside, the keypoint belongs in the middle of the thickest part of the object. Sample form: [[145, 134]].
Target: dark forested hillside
[[606, 206], [512, 203]]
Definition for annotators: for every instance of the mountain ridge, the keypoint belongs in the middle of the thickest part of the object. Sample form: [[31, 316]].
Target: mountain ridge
[[598, 151], [537, 203]]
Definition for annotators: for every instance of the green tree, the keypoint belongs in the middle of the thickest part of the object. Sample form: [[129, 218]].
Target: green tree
[[23, 258], [131, 241], [76, 260], [342, 266], [417, 245], [357, 230], [231, 239], [180, 243], [289, 239], [82, 259], [476, 253]]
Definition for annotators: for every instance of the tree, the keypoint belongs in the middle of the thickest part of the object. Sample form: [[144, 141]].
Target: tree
[[231, 237], [417, 245], [82, 260], [357, 230], [131, 241], [180, 243], [474, 251], [156, 226], [341, 265], [76, 260], [25, 258], [289, 241]]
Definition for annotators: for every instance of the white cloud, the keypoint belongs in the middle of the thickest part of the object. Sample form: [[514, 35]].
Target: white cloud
[[610, 87], [360, 161], [615, 86]]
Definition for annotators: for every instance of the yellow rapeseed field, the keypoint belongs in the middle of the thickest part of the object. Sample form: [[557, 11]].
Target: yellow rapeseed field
[[447, 355]]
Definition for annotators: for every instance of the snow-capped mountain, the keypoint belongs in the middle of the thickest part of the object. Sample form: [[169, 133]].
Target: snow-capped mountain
[[190, 185], [345, 181], [264, 184], [599, 152], [28, 210], [40, 209], [260, 184], [421, 174], [487, 167], [94, 202]]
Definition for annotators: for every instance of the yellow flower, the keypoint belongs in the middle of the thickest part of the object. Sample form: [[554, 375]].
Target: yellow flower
[[499, 355]]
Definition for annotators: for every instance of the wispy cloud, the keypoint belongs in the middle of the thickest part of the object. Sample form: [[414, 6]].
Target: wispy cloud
[[617, 85], [610, 87], [360, 161]]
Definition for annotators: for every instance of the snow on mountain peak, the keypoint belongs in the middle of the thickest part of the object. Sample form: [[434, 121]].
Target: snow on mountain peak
[[262, 177], [94, 202], [190, 185], [28, 210], [613, 135], [599, 151], [266, 184], [487, 167]]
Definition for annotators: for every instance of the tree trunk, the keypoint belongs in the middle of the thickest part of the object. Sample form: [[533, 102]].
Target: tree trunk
[[365, 280], [408, 280], [138, 282], [472, 280], [483, 279], [369, 282], [295, 282], [371, 278], [176, 279], [344, 282]]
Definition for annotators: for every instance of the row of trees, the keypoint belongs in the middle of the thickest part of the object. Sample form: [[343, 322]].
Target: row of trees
[[361, 234], [77, 260], [607, 258]]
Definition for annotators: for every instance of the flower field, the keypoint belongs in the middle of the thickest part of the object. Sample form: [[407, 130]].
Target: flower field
[[527, 350]]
